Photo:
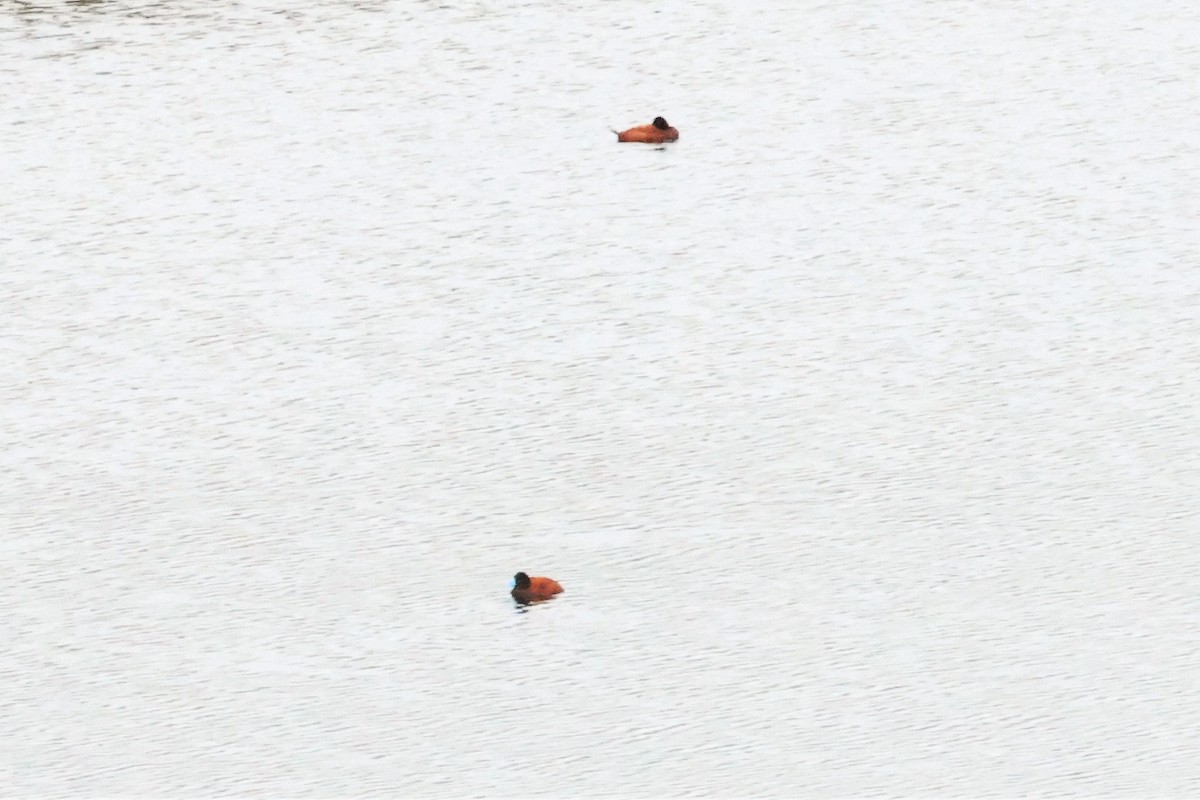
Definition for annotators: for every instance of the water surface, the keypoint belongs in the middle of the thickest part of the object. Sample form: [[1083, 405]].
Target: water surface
[[860, 424]]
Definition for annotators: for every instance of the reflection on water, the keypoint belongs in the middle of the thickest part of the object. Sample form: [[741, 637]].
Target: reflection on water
[[859, 423]]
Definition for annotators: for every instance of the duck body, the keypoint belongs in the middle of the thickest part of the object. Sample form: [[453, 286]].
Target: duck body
[[656, 132], [528, 589]]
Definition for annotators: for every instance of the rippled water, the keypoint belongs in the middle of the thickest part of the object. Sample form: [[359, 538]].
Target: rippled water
[[860, 425]]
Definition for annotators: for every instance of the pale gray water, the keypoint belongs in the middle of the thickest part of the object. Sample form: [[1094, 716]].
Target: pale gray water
[[860, 425]]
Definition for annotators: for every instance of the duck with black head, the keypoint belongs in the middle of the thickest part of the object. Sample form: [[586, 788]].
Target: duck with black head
[[656, 132], [526, 589]]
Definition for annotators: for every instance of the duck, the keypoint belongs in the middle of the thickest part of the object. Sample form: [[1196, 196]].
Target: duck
[[656, 132], [533, 590]]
